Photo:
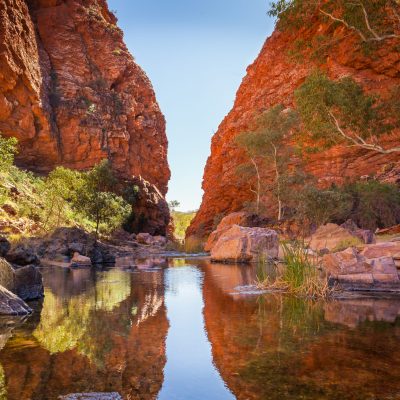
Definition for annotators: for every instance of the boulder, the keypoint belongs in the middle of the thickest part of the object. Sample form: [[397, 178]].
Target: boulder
[[159, 241], [5, 246], [365, 235], [22, 254], [352, 266], [243, 245], [144, 238], [10, 304], [241, 218], [80, 261], [28, 283], [389, 249], [7, 277], [331, 236]]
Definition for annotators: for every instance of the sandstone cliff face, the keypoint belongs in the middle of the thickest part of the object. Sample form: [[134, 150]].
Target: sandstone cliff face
[[73, 95], [272, 79]]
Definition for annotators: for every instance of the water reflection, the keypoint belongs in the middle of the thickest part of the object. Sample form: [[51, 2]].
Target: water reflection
[[148, 329], [101, 331]]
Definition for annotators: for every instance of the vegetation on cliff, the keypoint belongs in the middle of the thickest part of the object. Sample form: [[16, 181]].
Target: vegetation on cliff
[[34, 204]]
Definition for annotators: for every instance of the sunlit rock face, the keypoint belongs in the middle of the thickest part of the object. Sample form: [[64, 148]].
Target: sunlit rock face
[[97, 332], [73, 95], [271, 80], [276, 347]]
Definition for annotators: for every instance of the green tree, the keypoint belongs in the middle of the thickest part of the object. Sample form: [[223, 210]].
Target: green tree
[[96, 200], [372, 21], [340, 112], [8, 149], [173, 204], [266, 147]]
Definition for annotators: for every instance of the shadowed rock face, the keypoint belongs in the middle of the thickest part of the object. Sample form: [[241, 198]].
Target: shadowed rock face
[[272, 79], [73, 95]]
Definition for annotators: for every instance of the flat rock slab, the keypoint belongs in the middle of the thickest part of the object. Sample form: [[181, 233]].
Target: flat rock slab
[[91, 396], [10, 304]]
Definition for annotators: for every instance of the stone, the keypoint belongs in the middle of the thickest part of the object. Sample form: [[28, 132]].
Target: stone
[[365, 235], [159, 241], [22, 254], [394, 230], [91, 396], [28, 283], [10, 304], [80, 261], [389, 249], [7, 276], [331, 236], [242, 245], [5, 246], [241, 218], [57, 60], [273, 79], [144, 238]]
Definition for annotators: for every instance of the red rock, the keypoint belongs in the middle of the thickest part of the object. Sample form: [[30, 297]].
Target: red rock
[[73, 95], [272, 79], [241, 244]]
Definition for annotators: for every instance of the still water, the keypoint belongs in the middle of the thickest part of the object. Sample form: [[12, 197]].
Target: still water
[[181, 329]]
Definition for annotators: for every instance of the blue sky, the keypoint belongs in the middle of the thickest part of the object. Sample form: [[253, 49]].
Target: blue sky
[[195, 52]]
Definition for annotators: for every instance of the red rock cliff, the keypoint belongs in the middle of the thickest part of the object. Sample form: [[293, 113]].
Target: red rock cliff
[[272, 79], [73, 95]]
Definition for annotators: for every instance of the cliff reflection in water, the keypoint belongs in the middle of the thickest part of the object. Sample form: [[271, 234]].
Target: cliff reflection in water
[[276, 347], [98, 331]]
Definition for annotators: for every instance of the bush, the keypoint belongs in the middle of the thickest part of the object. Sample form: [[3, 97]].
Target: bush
[[374, 204], [8, 149]]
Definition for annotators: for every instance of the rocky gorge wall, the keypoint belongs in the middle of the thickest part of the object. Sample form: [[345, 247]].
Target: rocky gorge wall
[[272, 79], [72, 94]]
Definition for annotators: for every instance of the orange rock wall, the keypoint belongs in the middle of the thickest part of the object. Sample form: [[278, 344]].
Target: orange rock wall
[[272, 79], [73, 95]]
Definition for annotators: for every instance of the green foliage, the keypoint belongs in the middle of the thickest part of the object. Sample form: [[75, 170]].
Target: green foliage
[[267, 148], [173, 204], [320, 206], [375, 204], [96, 200], [8, 149], [182, 221], [340, 112]]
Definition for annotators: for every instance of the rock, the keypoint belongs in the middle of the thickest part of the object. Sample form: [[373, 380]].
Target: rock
[[352, 266], [22, 254], [388, 249], [71, 99], [365, 235], [160, 241], [144, 238], [272, 79], [242, 245], [5, 246], [91, 396], [28, 283], [394, 230], [80, 261], [331, 236], [76, 248], [241, 218], [10, 304], [7, 276]]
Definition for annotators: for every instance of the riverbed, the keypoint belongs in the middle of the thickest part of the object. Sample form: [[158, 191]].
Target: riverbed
[[188, 329]]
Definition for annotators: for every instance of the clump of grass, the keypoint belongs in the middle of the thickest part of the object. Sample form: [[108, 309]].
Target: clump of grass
[[300, 277], [194, 244], [346, 243]]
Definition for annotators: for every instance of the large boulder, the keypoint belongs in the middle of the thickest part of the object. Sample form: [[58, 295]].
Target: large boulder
[[7, 277], [28, 283], [365, 235], [353, 267], [5, 246], [144, 238], [22, 254], [243, 245], [80, 261], [10, 304], [332, 237], [241, 218]]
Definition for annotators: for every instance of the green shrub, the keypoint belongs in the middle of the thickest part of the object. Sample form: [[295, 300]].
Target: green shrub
[[8, 149], [182, 221], [375, 204]]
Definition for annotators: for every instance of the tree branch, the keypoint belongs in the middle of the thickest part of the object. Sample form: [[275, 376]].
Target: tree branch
[[360, 142]]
